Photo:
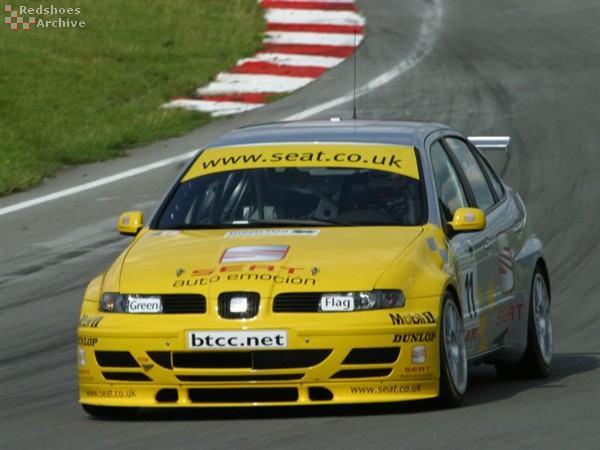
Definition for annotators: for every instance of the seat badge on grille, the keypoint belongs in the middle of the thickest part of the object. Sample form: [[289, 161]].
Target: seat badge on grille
[[238, 305]]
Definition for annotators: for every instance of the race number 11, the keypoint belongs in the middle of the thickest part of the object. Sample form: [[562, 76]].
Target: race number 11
[[469, 293]]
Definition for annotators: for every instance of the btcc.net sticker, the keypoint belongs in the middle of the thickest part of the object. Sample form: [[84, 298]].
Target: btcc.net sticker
[[219, 340]]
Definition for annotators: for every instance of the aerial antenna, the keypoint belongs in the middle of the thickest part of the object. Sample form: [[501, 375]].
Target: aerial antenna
[[354, 90]]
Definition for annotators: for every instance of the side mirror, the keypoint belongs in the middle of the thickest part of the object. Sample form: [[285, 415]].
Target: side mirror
[[130, 223], [468, 219]]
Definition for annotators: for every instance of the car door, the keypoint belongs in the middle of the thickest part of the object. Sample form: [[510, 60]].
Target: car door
[[471, 250], [509, 217], [494, 268]]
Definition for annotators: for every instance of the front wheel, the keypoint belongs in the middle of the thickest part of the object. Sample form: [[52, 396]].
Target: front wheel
[[453, 355], [535, 362]]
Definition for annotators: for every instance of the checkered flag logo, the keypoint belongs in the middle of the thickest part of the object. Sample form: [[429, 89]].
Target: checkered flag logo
[[14, 20]]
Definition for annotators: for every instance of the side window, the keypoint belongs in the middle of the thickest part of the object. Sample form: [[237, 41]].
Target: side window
[[493, 177], [472, 170], [193, 204], [449, 189]]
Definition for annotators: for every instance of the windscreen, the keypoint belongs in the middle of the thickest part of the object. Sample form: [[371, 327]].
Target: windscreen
[[290, 196]]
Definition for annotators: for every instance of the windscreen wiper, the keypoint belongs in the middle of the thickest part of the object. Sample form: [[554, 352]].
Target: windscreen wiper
[[302, 221], [199, 226]]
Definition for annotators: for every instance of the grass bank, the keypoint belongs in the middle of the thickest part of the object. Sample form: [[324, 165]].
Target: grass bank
[[72, 95]]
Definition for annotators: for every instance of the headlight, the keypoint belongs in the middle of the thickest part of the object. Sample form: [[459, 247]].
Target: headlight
[[361, 301], [129, 303]]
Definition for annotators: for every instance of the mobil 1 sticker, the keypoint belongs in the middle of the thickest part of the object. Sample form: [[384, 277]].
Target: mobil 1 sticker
[[220, 340]]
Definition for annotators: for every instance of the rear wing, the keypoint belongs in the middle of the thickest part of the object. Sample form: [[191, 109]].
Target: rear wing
[[485, 143]]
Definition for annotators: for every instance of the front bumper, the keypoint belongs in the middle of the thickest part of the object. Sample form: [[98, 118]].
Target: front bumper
[[376, 360], [129, 395]]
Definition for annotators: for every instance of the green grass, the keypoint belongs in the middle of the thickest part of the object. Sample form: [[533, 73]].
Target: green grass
[[78, 95]]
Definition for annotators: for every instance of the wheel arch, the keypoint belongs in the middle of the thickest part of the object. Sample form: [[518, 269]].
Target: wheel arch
[[542, 265], [455, 294]]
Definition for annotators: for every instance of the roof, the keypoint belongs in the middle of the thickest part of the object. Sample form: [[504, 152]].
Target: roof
[[383, 132]]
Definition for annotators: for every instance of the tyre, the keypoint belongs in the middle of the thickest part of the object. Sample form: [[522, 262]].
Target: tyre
[[453, 355], [108, 411], [535, 362]]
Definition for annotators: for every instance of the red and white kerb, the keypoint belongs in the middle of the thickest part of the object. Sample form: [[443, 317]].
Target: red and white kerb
[[302, 40]]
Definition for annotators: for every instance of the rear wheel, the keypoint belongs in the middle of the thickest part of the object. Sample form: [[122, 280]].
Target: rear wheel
[[453, 355], [535, 362], [108, 411]]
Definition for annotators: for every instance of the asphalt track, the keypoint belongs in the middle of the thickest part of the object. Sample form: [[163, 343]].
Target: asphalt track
[[529, 69]]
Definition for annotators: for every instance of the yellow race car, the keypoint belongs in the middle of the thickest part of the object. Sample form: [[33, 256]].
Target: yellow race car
[[311, 263]]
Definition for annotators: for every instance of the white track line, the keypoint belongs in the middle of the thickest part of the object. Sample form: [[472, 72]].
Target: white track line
[[94, 184], [427, 36]]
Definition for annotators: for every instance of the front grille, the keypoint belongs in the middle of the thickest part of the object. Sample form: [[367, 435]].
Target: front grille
[[319, 394], [167, 396], [257, 360], [213, 360], [250, 300], [115, 359], [383, 355], [362, 373], [183, 304], [296, 302], [238, 378], [125, 376], [243, 395], [163, 359]]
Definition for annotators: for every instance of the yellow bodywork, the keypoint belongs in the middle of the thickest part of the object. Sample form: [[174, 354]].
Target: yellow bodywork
[[396, 351], [384, 355]]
